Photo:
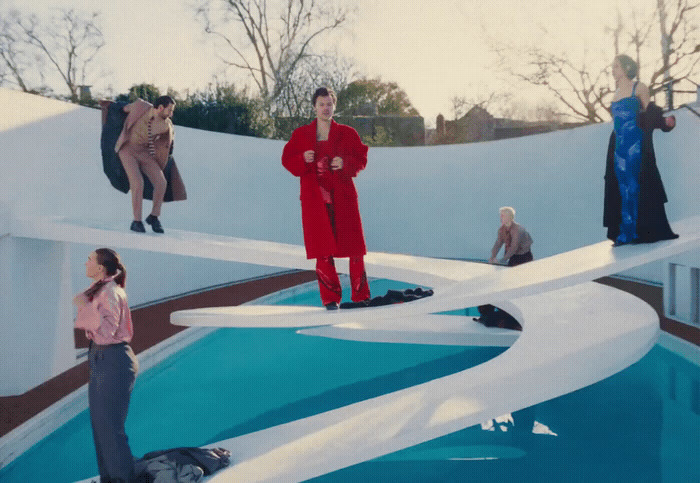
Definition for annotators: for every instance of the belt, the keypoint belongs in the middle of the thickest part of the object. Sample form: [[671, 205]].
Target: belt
[[106, 346]]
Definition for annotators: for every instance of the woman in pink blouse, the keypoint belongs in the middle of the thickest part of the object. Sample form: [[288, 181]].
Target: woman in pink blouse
[[103, 312]]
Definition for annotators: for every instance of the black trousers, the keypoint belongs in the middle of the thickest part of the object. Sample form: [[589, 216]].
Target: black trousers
[[113, 371], [520, 259]]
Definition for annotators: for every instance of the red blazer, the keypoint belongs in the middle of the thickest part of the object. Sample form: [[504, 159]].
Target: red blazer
[[318, 233]]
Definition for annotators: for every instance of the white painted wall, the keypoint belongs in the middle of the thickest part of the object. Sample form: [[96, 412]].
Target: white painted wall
[[432, 201]]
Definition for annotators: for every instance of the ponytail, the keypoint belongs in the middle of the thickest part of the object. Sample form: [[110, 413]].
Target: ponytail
[[110, 260], [121, 278]]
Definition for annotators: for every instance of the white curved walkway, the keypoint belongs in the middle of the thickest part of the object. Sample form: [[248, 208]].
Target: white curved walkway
[[575, 332], [571, 338], [419, 270], [479, 284]]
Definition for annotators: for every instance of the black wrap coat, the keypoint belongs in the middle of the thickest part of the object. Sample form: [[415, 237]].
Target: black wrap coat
[[113, 118], [652, 224]]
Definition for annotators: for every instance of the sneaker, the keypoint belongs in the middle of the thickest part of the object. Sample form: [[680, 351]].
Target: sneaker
[[155, 223], [332, 306], [138, 226]]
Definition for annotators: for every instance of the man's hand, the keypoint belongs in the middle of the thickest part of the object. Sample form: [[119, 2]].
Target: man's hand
[[337, 163], [309, 156]]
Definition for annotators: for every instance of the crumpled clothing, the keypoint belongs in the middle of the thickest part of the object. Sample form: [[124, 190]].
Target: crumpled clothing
[[180, 464], [391, 297], [162, 469]]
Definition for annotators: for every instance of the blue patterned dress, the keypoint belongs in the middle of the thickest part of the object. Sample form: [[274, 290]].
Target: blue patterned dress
[[628, 160]]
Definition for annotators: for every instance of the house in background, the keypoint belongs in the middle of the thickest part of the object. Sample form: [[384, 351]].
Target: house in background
[[479, 125]]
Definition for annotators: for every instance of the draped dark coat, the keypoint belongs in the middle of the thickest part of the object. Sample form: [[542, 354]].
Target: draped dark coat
[[652, 223], [319, 239], [113, 118]]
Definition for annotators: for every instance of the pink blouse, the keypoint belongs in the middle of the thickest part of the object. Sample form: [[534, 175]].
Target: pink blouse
[[107, 318]]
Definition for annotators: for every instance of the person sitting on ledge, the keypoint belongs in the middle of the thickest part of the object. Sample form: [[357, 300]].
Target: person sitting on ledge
[[516, 239]]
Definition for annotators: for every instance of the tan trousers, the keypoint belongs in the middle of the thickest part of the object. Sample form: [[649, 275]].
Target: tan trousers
[[136, 159]]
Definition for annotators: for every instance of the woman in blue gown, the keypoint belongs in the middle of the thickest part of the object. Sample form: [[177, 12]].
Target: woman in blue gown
[[634, 193]]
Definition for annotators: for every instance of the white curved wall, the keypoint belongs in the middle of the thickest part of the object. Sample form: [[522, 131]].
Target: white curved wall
[[437, 201]]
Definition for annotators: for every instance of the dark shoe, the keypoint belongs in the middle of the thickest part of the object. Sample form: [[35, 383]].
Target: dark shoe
[[138, 226], [332, 306], [155, 223]]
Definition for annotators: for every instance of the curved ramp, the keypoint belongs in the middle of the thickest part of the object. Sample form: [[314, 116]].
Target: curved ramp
[[419, 270], [480, 284], [571, 338], [575, 333], [430, 329]]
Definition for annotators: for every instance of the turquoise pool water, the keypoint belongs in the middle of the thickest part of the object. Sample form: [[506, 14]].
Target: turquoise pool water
[[642, 424]]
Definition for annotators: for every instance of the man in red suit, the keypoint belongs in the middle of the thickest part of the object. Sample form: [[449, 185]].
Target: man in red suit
[[326, 156]]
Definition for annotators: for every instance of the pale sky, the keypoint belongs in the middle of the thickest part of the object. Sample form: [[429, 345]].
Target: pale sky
[[434, 50]]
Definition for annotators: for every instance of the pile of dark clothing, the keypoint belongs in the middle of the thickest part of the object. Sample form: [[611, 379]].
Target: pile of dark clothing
[[492, 316], [180, 464], [391, 297]]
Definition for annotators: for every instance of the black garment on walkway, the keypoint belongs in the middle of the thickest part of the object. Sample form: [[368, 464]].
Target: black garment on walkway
[[186, 464], [492, 316], [391, 297], [652, 223]]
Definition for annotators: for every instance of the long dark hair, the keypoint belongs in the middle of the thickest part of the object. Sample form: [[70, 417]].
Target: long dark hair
[[110, 260]]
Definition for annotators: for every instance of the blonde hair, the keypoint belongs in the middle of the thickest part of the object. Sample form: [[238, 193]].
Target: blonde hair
[[508, 209]]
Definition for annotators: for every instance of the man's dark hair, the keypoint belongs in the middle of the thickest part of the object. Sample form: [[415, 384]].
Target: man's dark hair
[[323, 92], [164, 101]]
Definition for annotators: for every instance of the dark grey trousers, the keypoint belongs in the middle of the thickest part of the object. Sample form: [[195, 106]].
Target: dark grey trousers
[[113, 370]]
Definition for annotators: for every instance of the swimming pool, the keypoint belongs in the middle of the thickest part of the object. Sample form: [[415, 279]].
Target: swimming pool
[[642, 423]]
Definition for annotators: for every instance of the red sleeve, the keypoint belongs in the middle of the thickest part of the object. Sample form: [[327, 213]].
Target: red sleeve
[[353, 152], [293, 155]]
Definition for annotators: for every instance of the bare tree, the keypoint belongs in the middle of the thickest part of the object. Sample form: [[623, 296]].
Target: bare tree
[[15, 59], [582, 83], [680, 45], [463, 104], [579, 88], [277, 40], [69, 41], [294, 97]]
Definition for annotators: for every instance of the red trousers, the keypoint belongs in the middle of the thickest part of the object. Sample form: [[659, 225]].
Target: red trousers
[[329, 284]]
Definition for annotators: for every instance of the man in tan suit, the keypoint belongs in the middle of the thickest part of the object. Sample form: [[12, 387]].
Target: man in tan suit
[[144, 147]]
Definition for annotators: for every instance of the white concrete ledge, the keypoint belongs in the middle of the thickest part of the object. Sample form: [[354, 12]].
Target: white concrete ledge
[[571, 338], [419, 270], [479, 284], [429, 329]]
